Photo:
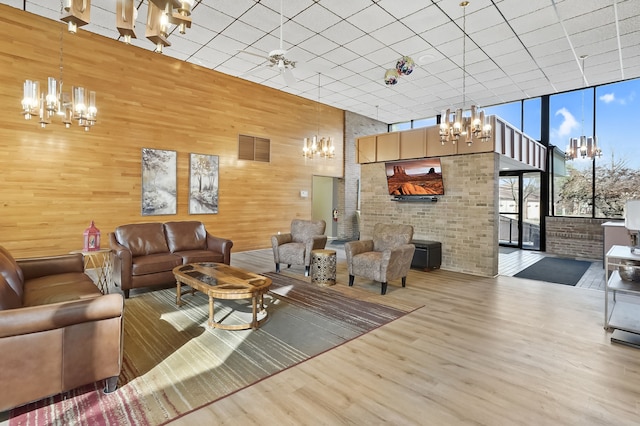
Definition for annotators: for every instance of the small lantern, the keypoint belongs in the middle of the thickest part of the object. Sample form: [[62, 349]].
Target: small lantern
[[91, 238]]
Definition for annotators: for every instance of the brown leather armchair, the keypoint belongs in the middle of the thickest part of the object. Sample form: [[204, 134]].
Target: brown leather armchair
[[294, 248], [57, 331], [385, 257]]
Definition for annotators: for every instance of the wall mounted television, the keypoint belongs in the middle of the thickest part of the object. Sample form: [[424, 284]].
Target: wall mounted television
[[419, 178]]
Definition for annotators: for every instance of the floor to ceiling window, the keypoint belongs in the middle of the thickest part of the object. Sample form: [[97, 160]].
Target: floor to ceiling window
[[597, 187]]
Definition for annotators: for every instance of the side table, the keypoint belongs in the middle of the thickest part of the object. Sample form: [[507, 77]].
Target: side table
[[100, 261], [323, 267]]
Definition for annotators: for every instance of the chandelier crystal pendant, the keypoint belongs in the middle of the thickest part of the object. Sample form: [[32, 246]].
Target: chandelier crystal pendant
[[583, 147], [318, 145], [463, 124], [79, 105]]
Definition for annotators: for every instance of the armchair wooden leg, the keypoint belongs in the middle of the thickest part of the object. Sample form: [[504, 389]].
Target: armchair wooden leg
[[111, 384], [277, 268], [126, 294], [351, 277], [306, 271], [404, 281], [384, 288]]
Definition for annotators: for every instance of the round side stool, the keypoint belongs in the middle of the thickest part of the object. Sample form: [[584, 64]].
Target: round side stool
[[323, 267]]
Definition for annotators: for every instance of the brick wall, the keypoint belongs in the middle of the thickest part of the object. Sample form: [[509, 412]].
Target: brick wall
[[575, 237], [355, 126], [464, 220]]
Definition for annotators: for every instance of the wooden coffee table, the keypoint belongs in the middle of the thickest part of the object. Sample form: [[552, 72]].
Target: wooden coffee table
[[221, 281]]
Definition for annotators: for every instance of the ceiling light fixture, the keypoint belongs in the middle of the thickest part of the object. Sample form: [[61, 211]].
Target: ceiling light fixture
[[463, 124], [404, 66], [79, 105], [161, 14], [126, 15], [584, 147], [322, 146]]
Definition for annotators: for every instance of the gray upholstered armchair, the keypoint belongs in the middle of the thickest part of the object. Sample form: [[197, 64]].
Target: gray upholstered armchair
[[294, 248], [384, 258]]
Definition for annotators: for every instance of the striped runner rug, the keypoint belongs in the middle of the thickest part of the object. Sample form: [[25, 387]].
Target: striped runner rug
[[174, 363]]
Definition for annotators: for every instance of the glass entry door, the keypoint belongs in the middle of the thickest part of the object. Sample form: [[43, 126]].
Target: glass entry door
[[520, 210], [509, 230]]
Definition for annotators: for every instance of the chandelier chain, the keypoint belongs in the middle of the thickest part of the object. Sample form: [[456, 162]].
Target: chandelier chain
[[464, 56]]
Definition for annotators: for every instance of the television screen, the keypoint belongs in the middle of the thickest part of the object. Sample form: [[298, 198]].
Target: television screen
[[415, 177]]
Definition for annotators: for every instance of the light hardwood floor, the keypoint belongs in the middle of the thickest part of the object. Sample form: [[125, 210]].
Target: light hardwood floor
[[489, 351]]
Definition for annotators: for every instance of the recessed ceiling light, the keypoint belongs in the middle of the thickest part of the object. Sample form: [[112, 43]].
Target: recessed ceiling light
[[425, 59]]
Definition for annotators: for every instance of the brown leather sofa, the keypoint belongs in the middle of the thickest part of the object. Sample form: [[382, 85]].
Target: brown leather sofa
[[146, 253], [57, 331]]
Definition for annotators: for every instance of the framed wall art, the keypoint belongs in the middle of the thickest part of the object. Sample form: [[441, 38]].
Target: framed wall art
[[159, 193], [203, 184]]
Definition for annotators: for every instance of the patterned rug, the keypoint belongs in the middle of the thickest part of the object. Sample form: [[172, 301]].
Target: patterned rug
[[173, 363]]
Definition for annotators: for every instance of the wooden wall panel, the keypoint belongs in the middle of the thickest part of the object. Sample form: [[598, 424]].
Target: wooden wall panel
[[56, 180], [388, 146]]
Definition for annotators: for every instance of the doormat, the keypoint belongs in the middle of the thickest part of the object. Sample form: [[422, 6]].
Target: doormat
[[556, 270]]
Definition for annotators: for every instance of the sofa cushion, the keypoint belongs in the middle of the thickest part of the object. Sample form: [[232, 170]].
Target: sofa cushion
[[304, 230], [142, 238], [59, 288], [8, 297], [388, 237], [196, 256], [291, 253], [159, 262], [12, 273], [182, 236]]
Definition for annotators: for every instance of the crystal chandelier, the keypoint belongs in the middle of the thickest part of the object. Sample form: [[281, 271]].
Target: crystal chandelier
[[78, 105], [584, 147], [469, 126], [318, 145]]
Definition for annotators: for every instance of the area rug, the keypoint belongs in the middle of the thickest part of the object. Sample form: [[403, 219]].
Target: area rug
[[556, 270], [173, 363]]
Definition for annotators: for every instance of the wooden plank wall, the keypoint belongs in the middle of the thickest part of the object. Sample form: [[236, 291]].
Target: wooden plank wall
[[56, 180]]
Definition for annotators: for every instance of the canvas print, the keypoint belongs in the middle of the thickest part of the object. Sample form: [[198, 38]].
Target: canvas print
[[159, 191], [203, 184]]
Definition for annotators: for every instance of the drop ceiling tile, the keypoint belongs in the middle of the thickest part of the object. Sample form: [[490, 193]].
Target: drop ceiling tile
[[371, 18], [343, 33], [403, 8], [392, 33], [442, 34], [206, 17], [317, 18], [232, 8], [425, 19], [242, 32], [490, 35], [222, 43], [543, 35], [261, 17], [340, 55], [508, 45], [514, 9], [365, 44], [290, 8], [384, 56], [318, 45], [199, 34], [533, 21]]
